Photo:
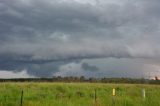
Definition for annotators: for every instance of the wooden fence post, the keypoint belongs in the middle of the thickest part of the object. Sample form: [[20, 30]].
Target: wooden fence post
[[21, 98], [95, 95]]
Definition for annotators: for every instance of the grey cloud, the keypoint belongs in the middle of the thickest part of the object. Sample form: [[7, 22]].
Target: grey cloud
[[41, 32], [110, 67], [87, 67], [95, 30]]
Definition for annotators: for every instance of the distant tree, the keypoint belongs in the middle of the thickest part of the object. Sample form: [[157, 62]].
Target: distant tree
[[156, 78], [59, 78], [82, 78]]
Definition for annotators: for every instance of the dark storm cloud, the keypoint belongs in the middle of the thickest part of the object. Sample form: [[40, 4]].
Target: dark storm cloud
[[87, 67], [36, 32]]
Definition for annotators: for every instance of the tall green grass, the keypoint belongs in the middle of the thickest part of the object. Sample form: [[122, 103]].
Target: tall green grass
[[78, 94]]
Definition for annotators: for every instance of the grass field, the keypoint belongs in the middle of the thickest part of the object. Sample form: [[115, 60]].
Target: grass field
[[77, 94]]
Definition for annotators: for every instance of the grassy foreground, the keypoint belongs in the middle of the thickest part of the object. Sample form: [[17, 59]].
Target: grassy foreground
[[78, 94]]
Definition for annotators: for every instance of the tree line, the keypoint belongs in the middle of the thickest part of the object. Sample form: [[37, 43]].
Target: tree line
[[84, 79]]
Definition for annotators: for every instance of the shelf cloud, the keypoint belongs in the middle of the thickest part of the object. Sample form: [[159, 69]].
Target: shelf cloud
[[50, 33]]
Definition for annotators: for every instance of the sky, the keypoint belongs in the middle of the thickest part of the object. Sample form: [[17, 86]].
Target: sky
[[91, 38]]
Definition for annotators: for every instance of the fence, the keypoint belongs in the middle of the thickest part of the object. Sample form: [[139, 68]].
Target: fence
[[95, 97]]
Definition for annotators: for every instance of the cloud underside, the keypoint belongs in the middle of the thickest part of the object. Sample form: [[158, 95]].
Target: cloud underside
[[40, 35]]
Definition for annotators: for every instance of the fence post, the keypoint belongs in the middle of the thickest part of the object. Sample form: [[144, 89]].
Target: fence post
[[95, 95], [21, 98], [143, 93], [113, 96]]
